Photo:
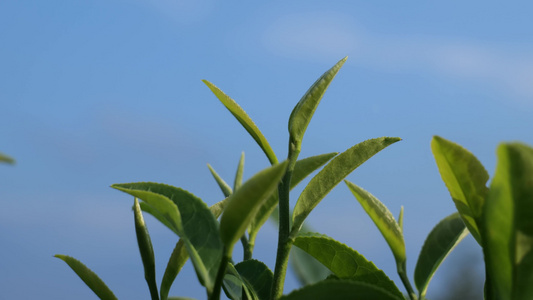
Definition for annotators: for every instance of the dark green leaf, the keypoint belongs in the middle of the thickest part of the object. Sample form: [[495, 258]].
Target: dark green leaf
[[89, 277], [466, 180], [236, 287], [245, 121], [344, 262], [439, 243], [333, 173], [258, 275], [224, 187], [238, 175]]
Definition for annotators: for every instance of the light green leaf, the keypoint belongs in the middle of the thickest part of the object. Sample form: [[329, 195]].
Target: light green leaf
[[302, 169], [303, 111], [344, 262], [146, 250], [508, 225], [307, 269], [244, 203], [194, 223], [6, 159], [177, 260], [383, 219], [224, 187], [466, 180], [333, 173], [341, 289], [245, 121], [238, 175], [257, 275], [439, 243], [400, 218], [89, 277]]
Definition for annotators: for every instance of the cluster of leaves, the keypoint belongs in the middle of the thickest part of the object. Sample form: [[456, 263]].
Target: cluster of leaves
[[497, 217]]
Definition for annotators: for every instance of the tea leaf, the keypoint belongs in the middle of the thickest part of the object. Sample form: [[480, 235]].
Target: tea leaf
[[244, 203], [307, 269], [236, 287], [439, 243], [89, 277], [335, 171], [303, 111], [224, 187], [302, 169], [465, 179], [6, 159], [341, 289], [177, 260], [344, 262], [238, 175], [383, 219], [195, 224], [258, 276], [245, 121], [146, 250], [508, 226]]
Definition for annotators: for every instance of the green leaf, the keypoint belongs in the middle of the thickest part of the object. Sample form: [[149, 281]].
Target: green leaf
[[508, 225], [244, 203], [335, 171], [224, 187], [341, 289], [177, 260], [303, 111], [345, 262], [238, 175], [89, 277], [400, 218], [6, 159], [439, 243], [466, 180], [383, 219], [194, 223], [146, 250], [245, 121], [302, 169], [307, 269], [258, 276], [236, 287]]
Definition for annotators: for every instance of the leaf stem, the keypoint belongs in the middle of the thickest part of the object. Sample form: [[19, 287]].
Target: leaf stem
[[247, 248], [405, 280], [215, 295]]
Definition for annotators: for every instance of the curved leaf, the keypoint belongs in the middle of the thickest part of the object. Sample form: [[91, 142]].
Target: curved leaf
[[303, 111], [383, 219], [439, 243], [245, 121], [341, 289], [466, 180], [244, 203], [177, 260], [238, 175], [236, 287], [89, 277], [307, 269], [258, 275], [333, 173], [345, 262], [224, 187]]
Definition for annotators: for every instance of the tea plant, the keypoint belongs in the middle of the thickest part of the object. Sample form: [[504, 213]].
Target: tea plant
[[497, 217]]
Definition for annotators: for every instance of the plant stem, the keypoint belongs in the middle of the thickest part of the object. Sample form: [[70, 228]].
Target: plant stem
[[247, 248], [215, 295], [405, 280]]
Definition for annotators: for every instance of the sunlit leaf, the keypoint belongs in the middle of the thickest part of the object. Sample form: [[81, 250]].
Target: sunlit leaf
[[89, 277], [245, 121], [258, 275], [466, 180], [177, 260], [238, 175], [439, 243], [224, 187], [333, 173]]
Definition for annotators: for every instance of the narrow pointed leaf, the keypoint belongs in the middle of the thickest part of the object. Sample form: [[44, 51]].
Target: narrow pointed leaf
[[302, 169], [89, 277], [508, 224], [466, 180], [341, 289], [196, 225], [344, 262], [244, 203], [6, 159], [258, 275], [303, 111], [245, 121], [400, 218], [146, 250], [333, 173], [238, 175], [224, 187], [383, 219], [439, 243]]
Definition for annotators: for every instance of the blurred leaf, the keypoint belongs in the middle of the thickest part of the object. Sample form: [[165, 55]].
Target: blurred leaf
[[508, 225], [383, 219], [466, 180], [335, 171], [177, 260], [341, 289], [224, 187], [89, 277], [344, 262], [303, 111], [244, 203], [258, 275], [439, 243], [245, 121], [6, 159], [307, 269], [238, 175], [146, 250]]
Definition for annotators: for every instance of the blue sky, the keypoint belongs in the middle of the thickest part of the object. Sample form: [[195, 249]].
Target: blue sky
[[100, 92]]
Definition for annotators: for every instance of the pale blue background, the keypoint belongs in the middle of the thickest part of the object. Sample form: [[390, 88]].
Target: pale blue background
[[100, 92]]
